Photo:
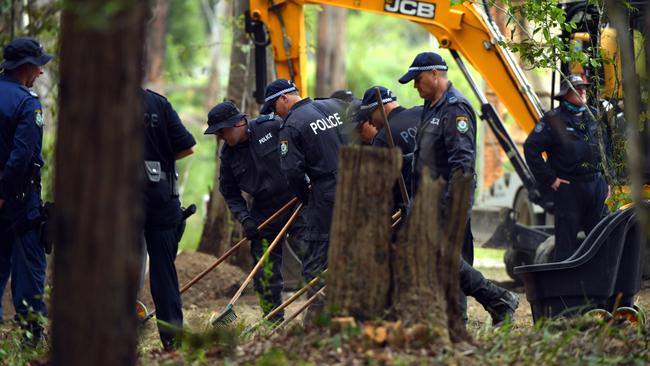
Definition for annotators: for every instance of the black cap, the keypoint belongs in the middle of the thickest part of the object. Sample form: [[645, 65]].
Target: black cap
[[223, 115], [24, 50], [424, 61], [369, 102], [575, 79], [344, 95], [274, 91]]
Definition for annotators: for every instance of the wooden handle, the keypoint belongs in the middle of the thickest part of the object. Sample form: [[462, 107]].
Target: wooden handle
[[391, 144], [301, 309], [236, 246], [293, 298], [266, 255]]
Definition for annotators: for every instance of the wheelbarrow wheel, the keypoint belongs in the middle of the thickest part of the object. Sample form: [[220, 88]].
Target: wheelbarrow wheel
[[599, 314], [627, 314]]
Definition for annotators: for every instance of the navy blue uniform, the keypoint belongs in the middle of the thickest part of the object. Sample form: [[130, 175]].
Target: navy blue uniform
[[310, 139], [253, 166], [403, 126], [446, 142], [22, 257], [571, 142], [165, 137]]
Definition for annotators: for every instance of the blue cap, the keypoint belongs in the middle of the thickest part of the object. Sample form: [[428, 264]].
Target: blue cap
[[424, 61], [274, 90], [24, 50], [223, 115], [369, 102]]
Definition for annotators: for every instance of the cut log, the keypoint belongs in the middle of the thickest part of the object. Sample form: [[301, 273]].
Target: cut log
[[359, 277]]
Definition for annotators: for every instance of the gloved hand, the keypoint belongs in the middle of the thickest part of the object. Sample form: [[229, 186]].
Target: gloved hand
[[250, 228]]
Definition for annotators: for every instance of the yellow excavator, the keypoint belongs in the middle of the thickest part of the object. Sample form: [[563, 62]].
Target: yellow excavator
[[469, 33]]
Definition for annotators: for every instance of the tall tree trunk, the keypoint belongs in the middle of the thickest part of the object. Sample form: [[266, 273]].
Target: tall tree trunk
[[216, 12], [330, 51], [359, 264], [99, 163], [156, 45], [638, 135], [217, 233]]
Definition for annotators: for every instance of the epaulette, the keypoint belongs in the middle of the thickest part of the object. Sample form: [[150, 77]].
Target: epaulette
[[29, 91], [264, 118], [160, 95], [452, 99]]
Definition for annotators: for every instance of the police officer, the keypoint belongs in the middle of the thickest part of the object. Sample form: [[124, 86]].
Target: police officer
[[403, 125], [446, 142], [344, 95], [361, 131], [250, 163], [22, 257], [166, 140], [568, 134], [309, 143]]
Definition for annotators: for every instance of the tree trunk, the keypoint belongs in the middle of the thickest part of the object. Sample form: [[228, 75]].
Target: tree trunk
[[156, 45], [99, 163], [450, 252], [217, 233], [359, 266], [330, 52], [213, 10], [637, 130], [418, 293], [427, 258]]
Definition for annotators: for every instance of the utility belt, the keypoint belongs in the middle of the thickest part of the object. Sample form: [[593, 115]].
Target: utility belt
[[589, 177], [31, 184], [322, 177], [155, 174]]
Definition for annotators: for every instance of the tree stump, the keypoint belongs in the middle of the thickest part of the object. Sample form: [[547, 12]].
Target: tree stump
[[427, 259], [418, 294], [449, 257], [359, 271]]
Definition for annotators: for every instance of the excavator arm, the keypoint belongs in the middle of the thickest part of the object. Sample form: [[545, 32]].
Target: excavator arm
[[463, 29]]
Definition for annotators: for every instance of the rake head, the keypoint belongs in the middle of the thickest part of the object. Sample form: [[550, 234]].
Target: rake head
[[226, 317]]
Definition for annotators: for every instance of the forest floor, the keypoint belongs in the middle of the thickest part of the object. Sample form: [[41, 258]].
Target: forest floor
[[522, 342]]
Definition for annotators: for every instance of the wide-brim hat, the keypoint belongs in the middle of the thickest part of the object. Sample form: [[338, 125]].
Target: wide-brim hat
[[24, 50], [576, 80], [425, 61], [223, 115], [274, 91]]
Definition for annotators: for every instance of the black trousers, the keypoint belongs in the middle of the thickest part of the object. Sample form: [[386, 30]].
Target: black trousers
[[268, 281], [162, 245], [578, 206]]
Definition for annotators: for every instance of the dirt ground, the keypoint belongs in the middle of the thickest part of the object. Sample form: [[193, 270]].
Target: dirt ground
[[212, 294]]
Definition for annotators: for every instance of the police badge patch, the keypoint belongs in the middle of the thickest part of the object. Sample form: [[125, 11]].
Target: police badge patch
[[284, 147], [461, 124], [38, 117], [539, 127]]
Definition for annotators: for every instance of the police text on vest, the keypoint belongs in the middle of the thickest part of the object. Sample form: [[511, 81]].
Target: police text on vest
[[331, 121]]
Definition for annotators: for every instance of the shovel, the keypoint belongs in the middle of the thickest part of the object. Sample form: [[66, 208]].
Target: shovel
[[225, 255], [228, 315]]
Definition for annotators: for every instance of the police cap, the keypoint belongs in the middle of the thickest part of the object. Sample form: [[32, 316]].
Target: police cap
[[223, 115], [344, 95], [424, 61], [24, 50], [575, 79], [369, 102], [274, 90]]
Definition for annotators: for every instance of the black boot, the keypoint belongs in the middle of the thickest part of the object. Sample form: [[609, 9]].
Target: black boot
[[502, 308]]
